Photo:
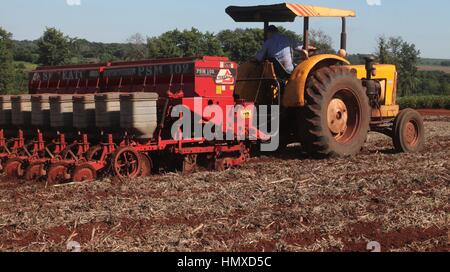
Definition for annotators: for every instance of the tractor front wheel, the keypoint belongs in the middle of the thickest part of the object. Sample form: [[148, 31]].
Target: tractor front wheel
[[409, 132], [336, 116]]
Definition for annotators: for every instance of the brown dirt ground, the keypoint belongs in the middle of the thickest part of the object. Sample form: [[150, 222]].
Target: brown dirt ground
[[282, 203], [434, 112]]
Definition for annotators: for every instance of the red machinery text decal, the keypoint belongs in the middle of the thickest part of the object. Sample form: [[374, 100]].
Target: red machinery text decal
[[225, 76], [64, 75]]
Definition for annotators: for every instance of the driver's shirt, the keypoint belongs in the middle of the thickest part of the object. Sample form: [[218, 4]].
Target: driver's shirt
[[280, 47]]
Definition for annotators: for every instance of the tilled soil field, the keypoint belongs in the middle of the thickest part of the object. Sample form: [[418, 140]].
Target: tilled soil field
[[287, 202]]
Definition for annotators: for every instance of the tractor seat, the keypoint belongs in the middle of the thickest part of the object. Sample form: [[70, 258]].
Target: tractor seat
[[280, 71]]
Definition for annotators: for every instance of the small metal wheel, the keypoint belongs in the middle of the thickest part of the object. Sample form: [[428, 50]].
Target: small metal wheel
[[14, 168], [126, 163], [58, 173], [84, 173], [146, 166], [409, 132], [35, 171]]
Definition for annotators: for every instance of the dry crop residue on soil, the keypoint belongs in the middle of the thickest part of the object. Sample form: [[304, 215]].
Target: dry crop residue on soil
[[281, 203]]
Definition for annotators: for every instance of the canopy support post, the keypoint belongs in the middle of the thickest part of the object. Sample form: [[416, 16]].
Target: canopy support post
[[344, 34], [266, 26], [306, 33]]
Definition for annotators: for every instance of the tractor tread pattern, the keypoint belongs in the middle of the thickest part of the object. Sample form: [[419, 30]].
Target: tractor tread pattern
[[314, 139]]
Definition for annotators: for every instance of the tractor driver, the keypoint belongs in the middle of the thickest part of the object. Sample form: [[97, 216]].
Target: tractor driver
[[279, 48]]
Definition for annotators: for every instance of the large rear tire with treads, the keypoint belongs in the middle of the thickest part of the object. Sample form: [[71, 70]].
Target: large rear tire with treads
[[336, 116]]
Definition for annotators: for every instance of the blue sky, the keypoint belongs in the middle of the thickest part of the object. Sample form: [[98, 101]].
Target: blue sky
[[424, 23]]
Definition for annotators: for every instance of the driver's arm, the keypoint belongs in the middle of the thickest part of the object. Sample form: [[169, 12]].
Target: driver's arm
[[299, 47]]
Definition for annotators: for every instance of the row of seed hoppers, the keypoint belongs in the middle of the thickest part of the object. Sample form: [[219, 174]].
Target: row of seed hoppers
[[79, 123]]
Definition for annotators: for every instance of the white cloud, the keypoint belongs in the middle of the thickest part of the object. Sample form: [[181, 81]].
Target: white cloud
[[73, 2], [374, 2]]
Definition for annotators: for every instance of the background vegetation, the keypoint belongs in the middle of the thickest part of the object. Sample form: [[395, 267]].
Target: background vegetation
[[7, 69], [17, 58], [425, 102]]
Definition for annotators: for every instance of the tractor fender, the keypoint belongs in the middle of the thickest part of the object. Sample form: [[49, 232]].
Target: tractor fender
[[294, 95]]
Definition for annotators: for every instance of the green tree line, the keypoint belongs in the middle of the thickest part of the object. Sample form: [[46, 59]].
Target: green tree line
[[7, 69], [56, 48]]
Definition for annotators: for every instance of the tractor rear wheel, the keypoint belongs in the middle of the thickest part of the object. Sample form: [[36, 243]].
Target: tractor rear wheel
[[409, 132], [336, 117]]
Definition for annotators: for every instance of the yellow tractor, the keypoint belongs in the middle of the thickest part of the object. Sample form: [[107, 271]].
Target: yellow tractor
[[327, 103]]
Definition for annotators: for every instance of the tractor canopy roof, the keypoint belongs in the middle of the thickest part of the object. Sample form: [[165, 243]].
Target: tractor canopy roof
[[283, 12]]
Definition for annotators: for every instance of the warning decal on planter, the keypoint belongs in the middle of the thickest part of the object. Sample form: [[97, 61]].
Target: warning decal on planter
[[225, 76]]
